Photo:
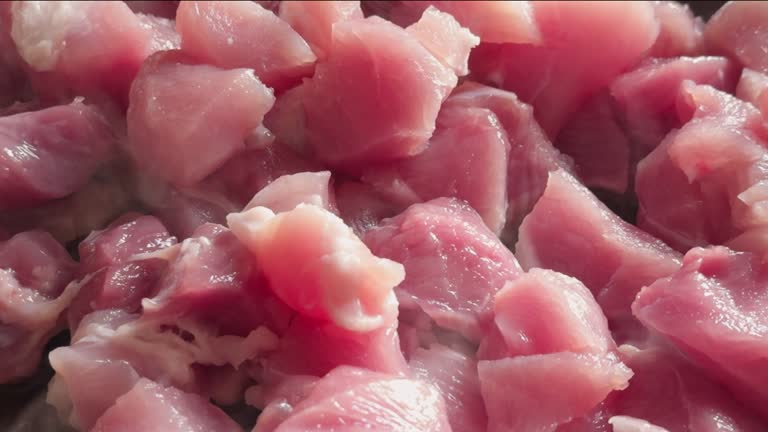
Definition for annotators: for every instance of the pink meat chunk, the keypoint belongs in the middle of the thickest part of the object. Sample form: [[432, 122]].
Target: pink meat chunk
[[706, 199], [362, 207], [680, 32], [453, 264], [559, 75], [51, 153], [152, 407], [313, 347], [531, 155], [713, 309], [115, 274], [631, 424], [519, 394], [619, 127], [34, 275], [314, 20], [445, 38], [318, 266], [70, 56], [615, 260], [374, 60], [738, 30], [287, 192], [670, 393], [208, 105], [752, 88], [466, 159], [287, 122], [223, 34], [163, 31], [350, 399], [455, 375]]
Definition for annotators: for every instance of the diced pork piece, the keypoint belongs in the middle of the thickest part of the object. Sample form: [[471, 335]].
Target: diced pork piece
[[362, 207], [319, 267], [706, 199], [672, 394], [445, 38], [212, 281], [455, 375], [51, 153], [160, 8], [680, 33], [453, 264], [611, 257], [223, 34], [276, 400], [213, 111], [163, 31], [350, 399], [34, 275], [65, 42], [752, 88], [313, 347], [531, 155], [288, 191], [466, 159], [314, 20], [492, 21], [559, 75], [738, 30], [519, 392], [151, 407], [631, 424], [376, 97], [754, 240], [286, 120], [713, 309]]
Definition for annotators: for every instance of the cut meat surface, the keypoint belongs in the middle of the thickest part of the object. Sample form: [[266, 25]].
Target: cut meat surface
[[287, 192], [319, 267], [151, 407], [713, 309], [207, 104], [350, 399], [444, 37], [374, 60], [631, 424], [615, 258], [680, 32], [559, 75], [738, 29], [752, 88], [453, 264], [466, 159], [51, 153], [455, 375], [223, 34], [314, 20]]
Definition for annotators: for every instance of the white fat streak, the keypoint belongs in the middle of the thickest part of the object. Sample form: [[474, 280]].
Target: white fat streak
[[40, 29]]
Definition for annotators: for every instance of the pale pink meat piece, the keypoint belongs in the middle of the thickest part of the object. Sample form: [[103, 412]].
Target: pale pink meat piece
[[706, 199], [314, 20], [152, 407], [373, 60], [738, 30], [34, 275], [445, 38], [288, 191], [680, 33], [615, 259], [453, 264], [466, 159], [287, 122], [455, 375], [631, 424], [531, 155], [208, 105], [559, 75], [70, 55], [713, 309], [223, 34], [752, 88], [163, 31], [362, 207], [351, 399], [319, 267], [51, 153]]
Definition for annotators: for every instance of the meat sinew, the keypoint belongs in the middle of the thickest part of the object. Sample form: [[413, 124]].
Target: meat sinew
[[422, 216]]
